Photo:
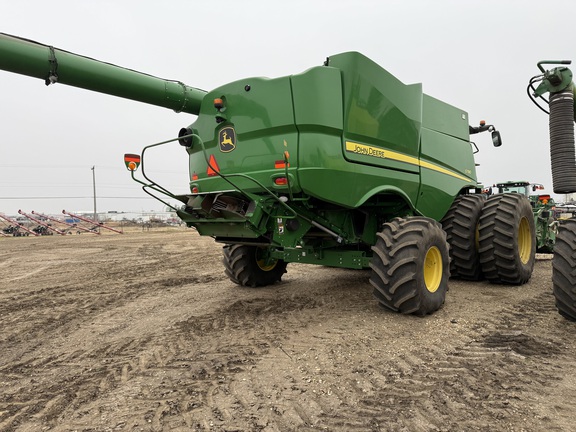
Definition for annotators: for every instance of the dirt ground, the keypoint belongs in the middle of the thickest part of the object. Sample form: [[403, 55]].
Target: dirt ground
[[143, 332]]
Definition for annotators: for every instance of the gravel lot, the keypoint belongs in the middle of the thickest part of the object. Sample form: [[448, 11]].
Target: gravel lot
[[143, 332]]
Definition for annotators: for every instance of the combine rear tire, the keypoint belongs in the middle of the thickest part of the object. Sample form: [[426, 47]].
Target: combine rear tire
[[507, 239], [410, 266], [563, 264], [461, 226], [246, 266]]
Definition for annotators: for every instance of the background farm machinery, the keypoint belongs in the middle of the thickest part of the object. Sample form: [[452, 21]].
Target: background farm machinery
[[12, 227], [37, 224]]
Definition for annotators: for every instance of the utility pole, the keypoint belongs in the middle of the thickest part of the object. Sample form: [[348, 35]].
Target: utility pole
[[94, 189]]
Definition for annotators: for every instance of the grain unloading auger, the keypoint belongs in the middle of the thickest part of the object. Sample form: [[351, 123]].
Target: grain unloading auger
[[558, 83], [341, 165], [26, 57]]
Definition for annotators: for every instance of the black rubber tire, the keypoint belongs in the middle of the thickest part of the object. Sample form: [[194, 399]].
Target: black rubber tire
[[563, 266], [461, 226], [507, 239], [410, 266], [243, 266]]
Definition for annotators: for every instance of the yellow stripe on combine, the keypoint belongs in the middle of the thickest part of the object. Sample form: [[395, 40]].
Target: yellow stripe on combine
[[380, 153]]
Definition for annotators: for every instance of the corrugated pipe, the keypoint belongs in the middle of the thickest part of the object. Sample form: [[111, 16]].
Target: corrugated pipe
[[562, 153]]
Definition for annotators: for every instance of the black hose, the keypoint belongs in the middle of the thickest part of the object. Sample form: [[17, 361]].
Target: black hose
[[562, 154], [531, 90]]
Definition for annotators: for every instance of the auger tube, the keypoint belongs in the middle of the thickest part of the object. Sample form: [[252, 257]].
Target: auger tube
[[562, 153], [52, 65], [558, 83]]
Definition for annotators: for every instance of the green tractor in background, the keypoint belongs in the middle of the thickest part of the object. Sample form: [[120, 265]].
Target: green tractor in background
[[543, 207], [341, 165]]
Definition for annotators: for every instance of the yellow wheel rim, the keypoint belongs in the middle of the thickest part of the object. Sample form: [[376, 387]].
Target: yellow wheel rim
[[433, 269], [524, 241], [261, 262]]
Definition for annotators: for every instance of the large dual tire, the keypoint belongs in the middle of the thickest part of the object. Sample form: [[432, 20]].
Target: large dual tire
[[410, 266], [507, 239], [246, 266], [461, 224], [563, 270]]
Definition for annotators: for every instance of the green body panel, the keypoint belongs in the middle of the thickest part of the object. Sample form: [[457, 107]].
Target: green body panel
[[306, 117], [264, 126], [42, 61], [453, 167], [330, 257], [362, 148]]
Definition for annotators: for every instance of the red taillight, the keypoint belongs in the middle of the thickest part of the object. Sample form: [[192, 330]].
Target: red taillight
[[195, 190], [280, 181]]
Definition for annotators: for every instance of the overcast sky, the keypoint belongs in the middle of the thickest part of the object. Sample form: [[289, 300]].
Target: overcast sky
[[477, 55]]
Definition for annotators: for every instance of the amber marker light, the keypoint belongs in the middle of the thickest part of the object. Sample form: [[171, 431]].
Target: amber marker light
[[283, 163], [280, 164], [132, 161]]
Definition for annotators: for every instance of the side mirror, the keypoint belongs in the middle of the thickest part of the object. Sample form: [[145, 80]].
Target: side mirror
[[496, 139]]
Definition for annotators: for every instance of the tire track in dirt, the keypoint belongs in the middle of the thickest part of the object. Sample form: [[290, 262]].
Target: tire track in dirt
[[173, 352], [187, 381], [87, 369], [488, 370], [486, 376], [46, 317], [425, 389]]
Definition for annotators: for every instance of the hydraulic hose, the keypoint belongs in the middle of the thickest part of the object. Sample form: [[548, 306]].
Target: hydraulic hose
[[562, 152]]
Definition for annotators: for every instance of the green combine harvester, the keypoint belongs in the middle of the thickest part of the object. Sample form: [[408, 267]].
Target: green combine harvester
[[341, 165]]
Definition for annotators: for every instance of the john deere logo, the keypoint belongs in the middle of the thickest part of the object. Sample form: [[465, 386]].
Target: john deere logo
[[227, 139]]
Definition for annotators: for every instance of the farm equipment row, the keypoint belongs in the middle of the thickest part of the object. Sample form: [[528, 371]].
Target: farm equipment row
[[38, 224], [11, 227]]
